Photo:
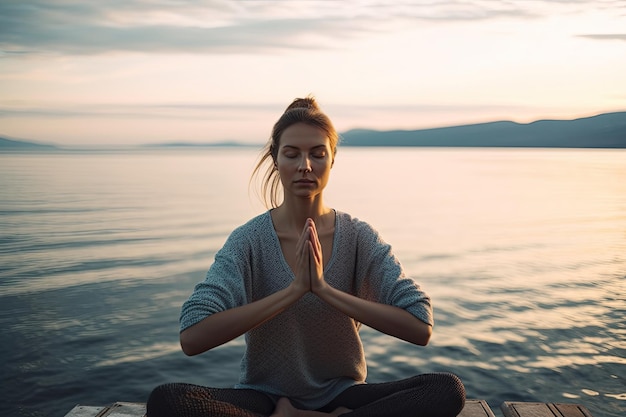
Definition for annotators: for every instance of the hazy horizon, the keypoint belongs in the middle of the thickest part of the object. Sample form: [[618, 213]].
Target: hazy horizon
[[174, 143]]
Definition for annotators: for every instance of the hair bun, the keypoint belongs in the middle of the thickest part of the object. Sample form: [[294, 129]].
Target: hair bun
[[303, 103]]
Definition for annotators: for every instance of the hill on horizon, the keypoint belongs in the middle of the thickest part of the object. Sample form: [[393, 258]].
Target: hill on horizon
[[607, 130], [6, 143]]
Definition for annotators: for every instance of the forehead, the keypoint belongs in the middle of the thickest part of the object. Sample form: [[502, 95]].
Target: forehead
[[303, 135]]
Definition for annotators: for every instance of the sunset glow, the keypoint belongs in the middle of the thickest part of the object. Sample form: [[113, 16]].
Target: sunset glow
[[204, 71]]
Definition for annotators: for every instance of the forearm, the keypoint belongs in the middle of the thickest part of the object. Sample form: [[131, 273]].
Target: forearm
[[388, 319], [225, 326]]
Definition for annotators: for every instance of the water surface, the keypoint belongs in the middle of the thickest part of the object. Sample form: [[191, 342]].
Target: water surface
[[522, 250]]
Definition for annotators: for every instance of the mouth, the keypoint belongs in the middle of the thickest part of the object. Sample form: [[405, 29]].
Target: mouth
[[305, 182]]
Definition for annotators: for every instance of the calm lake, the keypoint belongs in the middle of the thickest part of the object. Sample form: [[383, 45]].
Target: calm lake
[[522, 250]]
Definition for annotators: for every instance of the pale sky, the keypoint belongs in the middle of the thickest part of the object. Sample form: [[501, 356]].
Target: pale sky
[[149, 71]]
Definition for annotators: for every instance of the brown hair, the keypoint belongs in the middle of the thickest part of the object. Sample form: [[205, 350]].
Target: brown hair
[[301, 110]]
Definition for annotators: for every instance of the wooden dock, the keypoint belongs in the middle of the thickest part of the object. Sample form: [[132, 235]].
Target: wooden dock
[[473, 408]]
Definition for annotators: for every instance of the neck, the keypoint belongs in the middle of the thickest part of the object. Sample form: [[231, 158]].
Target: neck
[[295, 211]]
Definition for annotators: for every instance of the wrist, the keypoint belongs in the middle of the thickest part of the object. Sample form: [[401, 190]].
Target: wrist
[[296, 291], [322, 290]]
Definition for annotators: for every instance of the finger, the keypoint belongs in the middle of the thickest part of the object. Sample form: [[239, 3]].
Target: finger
[[307, 224], [312, 226], [307, 263], [316, 250], [301, 244], [312, 262], [315, 240]]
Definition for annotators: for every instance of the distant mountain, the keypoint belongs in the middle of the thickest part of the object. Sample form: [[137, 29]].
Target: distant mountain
[[225, 144], [12, 144], [602, 131], [606, 130]]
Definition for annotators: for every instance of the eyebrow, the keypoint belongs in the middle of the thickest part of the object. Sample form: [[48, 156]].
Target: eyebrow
[[296, 147]]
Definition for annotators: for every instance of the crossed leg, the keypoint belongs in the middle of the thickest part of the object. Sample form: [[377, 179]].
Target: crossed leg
[[284, 408], [188, 400], [427, 395]]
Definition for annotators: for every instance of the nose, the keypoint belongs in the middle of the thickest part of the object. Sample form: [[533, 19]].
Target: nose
[[305, 164]]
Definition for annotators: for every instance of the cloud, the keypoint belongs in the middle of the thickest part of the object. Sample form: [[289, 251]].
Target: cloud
[[203, 111], [605, 37], [219, 26], [133, 111], [92, 29]]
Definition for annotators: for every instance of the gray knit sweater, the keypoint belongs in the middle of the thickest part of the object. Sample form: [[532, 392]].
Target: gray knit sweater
[[310, 352]]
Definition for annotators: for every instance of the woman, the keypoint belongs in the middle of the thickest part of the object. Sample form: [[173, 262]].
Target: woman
[[298, 281]]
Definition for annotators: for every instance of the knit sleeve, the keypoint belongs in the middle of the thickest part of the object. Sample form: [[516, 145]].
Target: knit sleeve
[[383, 279], [224, 286]]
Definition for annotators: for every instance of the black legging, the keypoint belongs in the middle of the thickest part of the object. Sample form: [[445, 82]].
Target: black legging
[[426, 395]]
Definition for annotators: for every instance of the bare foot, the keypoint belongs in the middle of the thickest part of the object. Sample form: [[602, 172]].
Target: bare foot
[[284, 408]]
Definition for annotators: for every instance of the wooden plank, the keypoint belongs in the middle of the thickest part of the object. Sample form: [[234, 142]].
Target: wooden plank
[[84, 411], [571, 410], [476, 408], [515, 409], [119, 409], [522, 409], [473, 408]]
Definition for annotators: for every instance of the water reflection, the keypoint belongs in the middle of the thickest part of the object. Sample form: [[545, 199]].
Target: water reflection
[[523, 252]]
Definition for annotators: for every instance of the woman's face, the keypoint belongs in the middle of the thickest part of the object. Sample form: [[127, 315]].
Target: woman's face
[[304, 160]]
